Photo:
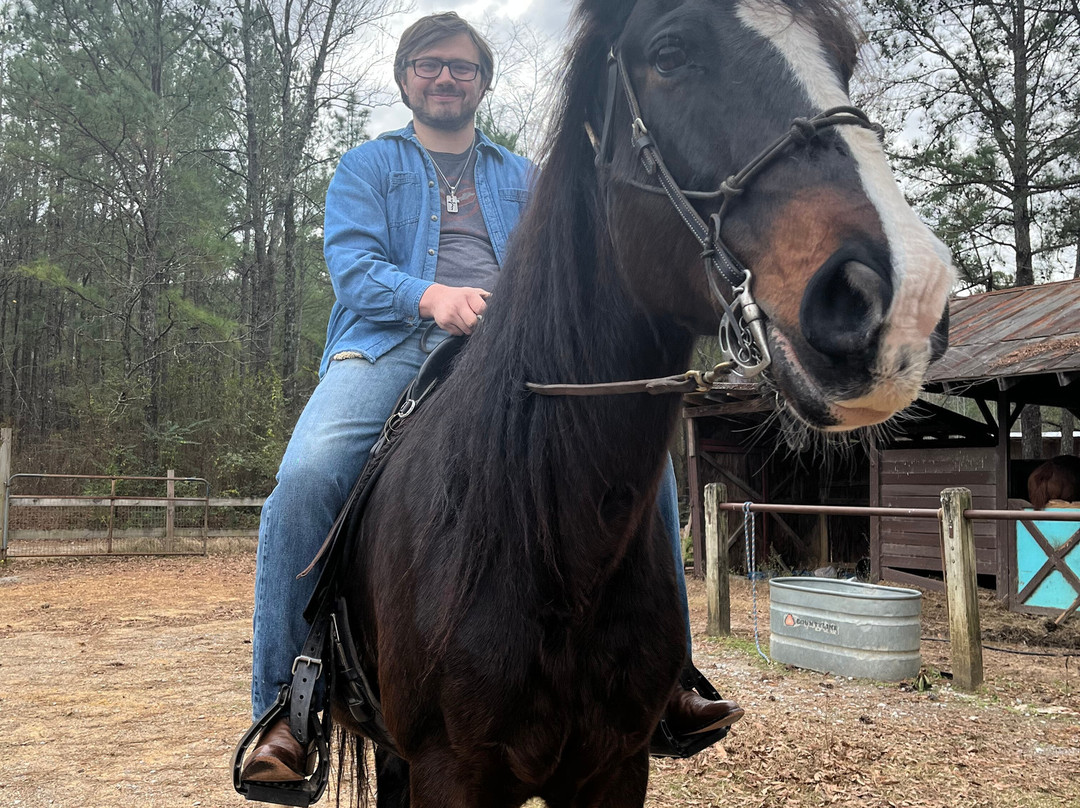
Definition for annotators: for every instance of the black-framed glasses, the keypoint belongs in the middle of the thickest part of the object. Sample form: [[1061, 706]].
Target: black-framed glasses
[[429, 68]]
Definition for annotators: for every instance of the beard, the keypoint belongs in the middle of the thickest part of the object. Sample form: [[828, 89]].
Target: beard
[[446, 121], [446, 117]]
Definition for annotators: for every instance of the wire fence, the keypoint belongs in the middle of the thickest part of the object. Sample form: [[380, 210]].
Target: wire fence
[[49, 515]]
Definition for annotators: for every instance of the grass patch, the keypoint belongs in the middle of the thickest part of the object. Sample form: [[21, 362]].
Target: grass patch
[[744, 646]]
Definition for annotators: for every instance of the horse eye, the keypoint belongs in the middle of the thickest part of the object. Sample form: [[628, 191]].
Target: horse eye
[[670, 58]]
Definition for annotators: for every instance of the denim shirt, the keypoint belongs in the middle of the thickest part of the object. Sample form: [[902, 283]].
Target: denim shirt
[[381, 234]]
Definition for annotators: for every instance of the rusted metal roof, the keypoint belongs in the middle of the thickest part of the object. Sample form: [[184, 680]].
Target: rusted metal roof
[[1027, 331]]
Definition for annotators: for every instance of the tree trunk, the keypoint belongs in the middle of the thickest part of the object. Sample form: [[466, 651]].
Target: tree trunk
[[1031, 416], [262, 272], [1068, 425], [1031, 432], [1025, 273], [291, 302]]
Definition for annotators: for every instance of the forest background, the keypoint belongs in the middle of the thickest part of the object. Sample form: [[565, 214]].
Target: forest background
[[163, 165]]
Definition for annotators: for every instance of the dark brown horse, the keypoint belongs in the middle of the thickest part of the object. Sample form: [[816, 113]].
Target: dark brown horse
[[510, 587], [1057, 478]]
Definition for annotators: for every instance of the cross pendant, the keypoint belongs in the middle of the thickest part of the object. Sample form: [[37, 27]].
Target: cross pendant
[[451, 202]]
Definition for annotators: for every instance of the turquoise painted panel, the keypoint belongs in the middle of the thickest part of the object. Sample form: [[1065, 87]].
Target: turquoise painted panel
[[1054, 592]]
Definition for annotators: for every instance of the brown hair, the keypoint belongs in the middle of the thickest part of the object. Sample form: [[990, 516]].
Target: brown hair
[[430, 30]]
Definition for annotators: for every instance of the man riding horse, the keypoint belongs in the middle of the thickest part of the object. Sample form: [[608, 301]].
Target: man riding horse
[[417, 225]]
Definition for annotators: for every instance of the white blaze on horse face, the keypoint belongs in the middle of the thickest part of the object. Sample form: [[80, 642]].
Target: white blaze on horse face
[[922, 267]]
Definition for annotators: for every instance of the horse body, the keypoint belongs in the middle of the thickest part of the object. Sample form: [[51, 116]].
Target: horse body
[[514, 595], [1057, 478], [546, 674]]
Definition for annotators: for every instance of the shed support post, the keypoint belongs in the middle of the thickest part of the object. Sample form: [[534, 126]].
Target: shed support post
[[961, 586], [823, 540], [693, 478], [875, 521], [717, 582]]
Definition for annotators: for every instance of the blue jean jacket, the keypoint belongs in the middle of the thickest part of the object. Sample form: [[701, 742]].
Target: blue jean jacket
[[382, 234]]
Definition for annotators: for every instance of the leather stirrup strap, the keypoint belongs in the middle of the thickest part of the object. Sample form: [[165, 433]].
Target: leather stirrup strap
[[306, 670]]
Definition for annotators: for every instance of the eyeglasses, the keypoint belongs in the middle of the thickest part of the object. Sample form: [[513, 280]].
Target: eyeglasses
[[429, 68]]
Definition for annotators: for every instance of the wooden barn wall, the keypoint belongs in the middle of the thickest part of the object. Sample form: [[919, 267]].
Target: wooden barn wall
[[711, 444], [915, 478]]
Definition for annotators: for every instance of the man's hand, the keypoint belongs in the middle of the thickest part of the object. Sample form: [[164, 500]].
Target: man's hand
[[456, 309]]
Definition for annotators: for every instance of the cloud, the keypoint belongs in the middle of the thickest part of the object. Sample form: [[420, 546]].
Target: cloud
[[548, 16]]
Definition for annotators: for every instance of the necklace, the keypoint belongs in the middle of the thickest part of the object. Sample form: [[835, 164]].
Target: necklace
[[451, 196]]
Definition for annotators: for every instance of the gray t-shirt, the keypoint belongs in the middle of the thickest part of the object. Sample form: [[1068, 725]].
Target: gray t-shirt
[[465, 254]]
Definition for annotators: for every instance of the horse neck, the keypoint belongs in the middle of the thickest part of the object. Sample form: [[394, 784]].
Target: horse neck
[[585, 470], [617, 433]]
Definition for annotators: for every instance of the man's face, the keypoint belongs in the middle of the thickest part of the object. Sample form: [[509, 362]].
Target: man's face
[[445, 102]]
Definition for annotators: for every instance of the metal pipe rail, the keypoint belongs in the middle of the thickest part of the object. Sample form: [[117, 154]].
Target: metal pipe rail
[[957, 554], [918, 513], [834, 510]]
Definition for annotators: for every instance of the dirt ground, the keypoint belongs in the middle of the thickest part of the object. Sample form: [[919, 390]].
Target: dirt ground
[[125, 683]]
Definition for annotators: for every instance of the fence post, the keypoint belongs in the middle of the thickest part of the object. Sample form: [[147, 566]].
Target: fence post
[[170, 510], [5, 476], [961, 586], [717, 583]]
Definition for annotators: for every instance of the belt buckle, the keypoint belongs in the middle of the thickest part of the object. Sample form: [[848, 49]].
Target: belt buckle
[[307, 661]]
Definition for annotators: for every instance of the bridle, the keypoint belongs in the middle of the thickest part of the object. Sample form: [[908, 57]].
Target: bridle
[[742, 328]]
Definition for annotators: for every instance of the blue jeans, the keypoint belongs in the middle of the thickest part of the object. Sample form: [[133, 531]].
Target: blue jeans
[[667, 503], [325, 455]]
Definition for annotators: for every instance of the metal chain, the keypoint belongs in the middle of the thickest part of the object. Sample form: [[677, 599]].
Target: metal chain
[[453, 188], [750, 539]]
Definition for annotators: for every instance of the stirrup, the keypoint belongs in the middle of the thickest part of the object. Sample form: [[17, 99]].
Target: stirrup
[[666, 743], [300, 794]]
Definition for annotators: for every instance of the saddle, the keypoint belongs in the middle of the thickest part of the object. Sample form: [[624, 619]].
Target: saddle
[[329, 649]]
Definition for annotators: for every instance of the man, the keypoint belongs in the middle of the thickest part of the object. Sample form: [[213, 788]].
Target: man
[[416, 228]]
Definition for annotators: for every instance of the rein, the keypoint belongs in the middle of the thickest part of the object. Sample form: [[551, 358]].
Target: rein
[[693, 381], [742, 330]]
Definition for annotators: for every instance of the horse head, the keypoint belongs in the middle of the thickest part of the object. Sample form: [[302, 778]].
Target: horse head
[[744, 105]]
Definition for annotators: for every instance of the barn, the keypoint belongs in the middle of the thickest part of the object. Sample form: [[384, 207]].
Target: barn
[[1008, 349]]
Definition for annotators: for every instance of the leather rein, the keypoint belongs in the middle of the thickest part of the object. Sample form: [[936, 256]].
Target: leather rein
[[742, 329]]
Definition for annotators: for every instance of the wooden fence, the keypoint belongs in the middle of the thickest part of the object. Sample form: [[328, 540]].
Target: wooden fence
[[956, 534], [47, 515]]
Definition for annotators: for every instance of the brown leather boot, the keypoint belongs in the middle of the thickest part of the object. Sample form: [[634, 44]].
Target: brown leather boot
[[278, 757], [689, 714]]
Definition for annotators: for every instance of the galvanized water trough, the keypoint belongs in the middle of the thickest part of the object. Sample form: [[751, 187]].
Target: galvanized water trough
[[845, 627]]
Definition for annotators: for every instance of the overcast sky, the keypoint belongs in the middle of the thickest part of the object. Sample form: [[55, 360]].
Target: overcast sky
[[547, 17]]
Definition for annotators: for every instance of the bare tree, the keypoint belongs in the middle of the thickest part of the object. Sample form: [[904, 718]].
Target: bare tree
[[989, 92], [295, 61], [526, 64]]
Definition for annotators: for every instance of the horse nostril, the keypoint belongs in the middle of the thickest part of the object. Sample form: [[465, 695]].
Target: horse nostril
[[844, 307]]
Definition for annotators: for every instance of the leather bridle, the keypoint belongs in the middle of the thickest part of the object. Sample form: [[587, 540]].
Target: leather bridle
[[742, 328]]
